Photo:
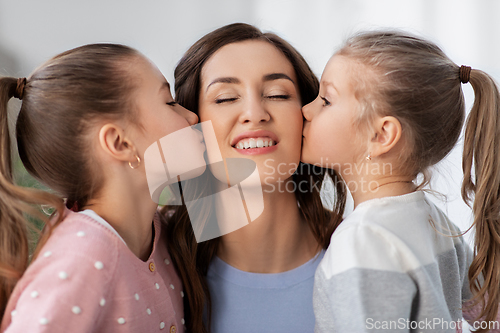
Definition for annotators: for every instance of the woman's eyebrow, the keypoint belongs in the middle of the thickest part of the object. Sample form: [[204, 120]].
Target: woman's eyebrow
[[277, 76], [224, 80]]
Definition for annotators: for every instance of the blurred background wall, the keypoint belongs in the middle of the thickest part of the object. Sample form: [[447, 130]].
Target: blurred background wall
[[31, 31]]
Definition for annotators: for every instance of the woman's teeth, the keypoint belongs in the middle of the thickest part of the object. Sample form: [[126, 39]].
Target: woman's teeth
[[254, 143]]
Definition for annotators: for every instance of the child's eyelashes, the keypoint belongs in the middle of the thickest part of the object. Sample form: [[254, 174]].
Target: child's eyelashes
[[173, 103], [325, 101]]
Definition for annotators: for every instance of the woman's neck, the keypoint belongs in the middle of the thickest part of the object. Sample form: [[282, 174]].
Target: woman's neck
[[277, 241], [130, 212]]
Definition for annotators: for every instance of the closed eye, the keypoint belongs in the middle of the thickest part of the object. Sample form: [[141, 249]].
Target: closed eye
[[281, 97], [172, 103], [325, 102], [225, 100]]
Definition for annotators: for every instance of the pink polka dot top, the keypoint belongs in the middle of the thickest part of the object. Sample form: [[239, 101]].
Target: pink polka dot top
[[86, 279]]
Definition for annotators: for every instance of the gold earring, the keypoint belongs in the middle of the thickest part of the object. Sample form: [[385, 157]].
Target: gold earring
[[369, 157], [138, 163]]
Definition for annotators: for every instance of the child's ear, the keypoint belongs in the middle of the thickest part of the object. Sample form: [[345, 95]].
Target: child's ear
[[113, 142], [388, 133]]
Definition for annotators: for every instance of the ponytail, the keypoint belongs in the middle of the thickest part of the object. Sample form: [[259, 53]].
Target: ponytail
[[15, 201], [60, 102], [481, 191]]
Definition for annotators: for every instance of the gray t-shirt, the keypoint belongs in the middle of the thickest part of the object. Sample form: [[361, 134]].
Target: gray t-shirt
[[393, 265]]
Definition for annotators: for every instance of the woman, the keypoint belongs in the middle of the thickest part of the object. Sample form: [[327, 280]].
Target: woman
[[251, 86]]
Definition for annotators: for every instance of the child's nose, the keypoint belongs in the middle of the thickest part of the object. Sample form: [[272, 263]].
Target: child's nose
[[307, 111], [191, 117]]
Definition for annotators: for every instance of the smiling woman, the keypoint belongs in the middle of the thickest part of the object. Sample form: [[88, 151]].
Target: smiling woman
[[249, 93], [251, 86]]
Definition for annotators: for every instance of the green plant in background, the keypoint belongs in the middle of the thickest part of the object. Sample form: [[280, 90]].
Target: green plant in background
[[165, 196], [23, 178]]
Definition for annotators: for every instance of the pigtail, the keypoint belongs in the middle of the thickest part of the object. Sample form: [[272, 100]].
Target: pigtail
[[14, 202], [481, 191]]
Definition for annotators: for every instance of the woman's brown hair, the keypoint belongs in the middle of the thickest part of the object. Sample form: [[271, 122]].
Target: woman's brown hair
[[413, 80], [192, 259], [61, 101]]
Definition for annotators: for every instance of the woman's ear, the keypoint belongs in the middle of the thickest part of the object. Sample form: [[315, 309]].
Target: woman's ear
[[387, 135], [113, 142]]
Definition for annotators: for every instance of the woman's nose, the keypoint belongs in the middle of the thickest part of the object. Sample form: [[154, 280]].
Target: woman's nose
[[256, 112]]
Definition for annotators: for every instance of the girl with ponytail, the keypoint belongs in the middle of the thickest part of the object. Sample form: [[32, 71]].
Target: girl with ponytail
[[391, 106], [87, 116]]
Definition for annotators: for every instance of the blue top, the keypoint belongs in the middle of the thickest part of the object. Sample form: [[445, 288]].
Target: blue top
[[254, 302]]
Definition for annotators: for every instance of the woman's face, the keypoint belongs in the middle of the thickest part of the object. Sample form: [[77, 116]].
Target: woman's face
[[249, 92]]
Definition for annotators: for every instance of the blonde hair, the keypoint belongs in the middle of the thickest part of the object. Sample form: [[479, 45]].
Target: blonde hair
[[413, 80], [62, 99]]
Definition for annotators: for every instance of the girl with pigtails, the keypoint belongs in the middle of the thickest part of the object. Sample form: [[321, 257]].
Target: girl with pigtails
[[392, 105], [86, 118]]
